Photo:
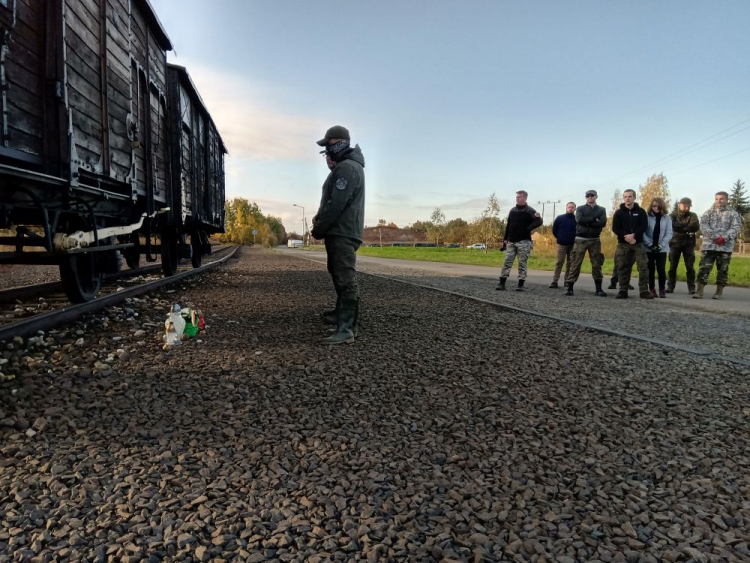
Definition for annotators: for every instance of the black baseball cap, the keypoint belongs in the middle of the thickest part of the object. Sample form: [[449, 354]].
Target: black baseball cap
[[335, 132], [591, 192], [686, 201]]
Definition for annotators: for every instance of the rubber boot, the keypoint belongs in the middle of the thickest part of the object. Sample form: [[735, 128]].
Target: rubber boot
[[699, 292], [622, 294], [519, 287], [570, 289], [501, 285], [346, 319], [329, 317], [719, 292], [599, 292]]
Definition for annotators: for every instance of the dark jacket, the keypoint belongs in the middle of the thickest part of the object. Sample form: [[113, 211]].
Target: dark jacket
[[684, 227], [521, 221], [342, 206], [591, 220], [629, 221], [564, 229]]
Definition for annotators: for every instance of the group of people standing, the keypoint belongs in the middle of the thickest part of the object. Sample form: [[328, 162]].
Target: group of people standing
[[644, 237]]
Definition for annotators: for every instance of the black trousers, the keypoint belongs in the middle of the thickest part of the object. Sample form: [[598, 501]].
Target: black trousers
[[342, 265], [687, 251], [657, 262]]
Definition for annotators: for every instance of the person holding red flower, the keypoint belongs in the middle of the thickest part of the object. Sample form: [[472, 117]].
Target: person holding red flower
[[721, 225]]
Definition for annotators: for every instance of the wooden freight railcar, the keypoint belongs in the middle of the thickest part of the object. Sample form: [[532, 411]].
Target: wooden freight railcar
[[197, 161], [84, 145]]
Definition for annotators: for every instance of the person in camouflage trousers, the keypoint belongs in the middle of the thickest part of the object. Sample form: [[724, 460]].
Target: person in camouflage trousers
[[685, 225], [629, 223], [720, 226], [522, 219], [590, 220]]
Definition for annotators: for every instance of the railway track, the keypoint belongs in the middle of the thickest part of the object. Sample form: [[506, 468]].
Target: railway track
[[26, 310]]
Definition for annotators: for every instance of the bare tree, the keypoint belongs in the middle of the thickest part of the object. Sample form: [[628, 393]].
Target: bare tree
[[438, 225]]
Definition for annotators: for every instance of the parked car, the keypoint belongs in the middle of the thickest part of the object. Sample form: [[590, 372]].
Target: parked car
[[294, 243], [425, 244], [453, 245], [478, 246]]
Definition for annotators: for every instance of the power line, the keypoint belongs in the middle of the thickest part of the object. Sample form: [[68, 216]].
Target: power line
[[709, 162], [679, 153]]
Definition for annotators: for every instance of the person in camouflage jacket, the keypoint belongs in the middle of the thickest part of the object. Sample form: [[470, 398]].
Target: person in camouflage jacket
[[720, 225], [685, 225]]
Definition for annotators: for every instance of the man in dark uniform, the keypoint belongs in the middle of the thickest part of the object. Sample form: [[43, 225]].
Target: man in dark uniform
[[340, 220]]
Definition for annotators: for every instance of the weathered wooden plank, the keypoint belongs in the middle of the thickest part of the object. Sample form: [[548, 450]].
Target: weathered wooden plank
[[119, 84], [115, 64], [84, 22], [122, 160], [80, 56], [26, 57], [19, 76], [78, 85], [118, 24], [33, 7], [119, 53], [24, 101], [21, 121], [138, 37], [22, 141]]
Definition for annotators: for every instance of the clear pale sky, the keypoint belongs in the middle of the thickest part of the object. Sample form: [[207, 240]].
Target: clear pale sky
[[451, 101]]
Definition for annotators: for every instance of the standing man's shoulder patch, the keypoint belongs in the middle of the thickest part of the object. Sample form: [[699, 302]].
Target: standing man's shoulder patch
[[341, 184]]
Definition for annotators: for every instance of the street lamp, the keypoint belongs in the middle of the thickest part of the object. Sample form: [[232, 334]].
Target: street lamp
[[303, 222]]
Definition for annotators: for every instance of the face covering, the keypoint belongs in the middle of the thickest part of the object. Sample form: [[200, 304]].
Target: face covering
[[336, 150]]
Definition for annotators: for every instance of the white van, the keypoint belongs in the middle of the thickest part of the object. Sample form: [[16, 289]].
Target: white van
[[292, 243]]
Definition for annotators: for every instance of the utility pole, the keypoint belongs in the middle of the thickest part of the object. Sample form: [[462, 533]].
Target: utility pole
[[304, 223], [548, 202]]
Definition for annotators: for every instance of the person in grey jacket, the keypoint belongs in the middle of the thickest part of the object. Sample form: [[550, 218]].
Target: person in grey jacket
[[656, 240], [340, 220]]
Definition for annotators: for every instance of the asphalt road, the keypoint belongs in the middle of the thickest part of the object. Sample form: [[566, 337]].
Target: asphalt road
[[736, 299]]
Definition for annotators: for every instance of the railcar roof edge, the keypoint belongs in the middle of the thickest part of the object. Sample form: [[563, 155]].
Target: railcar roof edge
[[153, 19], [185, 74]]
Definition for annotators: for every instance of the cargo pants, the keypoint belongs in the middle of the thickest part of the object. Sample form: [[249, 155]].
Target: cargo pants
[[625, 255], [342, 265], [722, 259], [687, 251], [564, 255], [594, 248], [522, 249]]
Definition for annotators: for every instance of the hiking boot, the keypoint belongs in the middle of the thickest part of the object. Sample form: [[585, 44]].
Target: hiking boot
[[630, 287], [652, 291], [670, 288], [622, 294], [553, 285], [719, 292], [346, 323], [647, 294], [519, 287], [691, 288], [501, 285], [570, 290], [699, 292], [599, 292], [612, 285], [662, 293]]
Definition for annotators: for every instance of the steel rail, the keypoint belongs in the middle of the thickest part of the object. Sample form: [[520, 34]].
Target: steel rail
[[603, 330], [35, 290], [45, 321]]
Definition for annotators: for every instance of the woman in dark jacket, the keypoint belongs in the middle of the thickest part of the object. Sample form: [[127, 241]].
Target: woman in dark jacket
[[656, 240]]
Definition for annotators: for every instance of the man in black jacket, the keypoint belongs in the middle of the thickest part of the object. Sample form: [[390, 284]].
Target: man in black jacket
[[629, 223], [590, 220], [522, 219], [340, 221]]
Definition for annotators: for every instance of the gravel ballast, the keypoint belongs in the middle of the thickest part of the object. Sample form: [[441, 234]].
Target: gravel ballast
[[450, 431]]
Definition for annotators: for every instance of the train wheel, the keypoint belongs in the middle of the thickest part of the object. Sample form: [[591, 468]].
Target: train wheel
[[169, 253], [133, 254], [80, 278], [197, 250]]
